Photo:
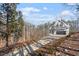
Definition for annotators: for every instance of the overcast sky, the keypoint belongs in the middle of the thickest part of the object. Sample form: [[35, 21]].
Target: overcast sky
[[37, 13]]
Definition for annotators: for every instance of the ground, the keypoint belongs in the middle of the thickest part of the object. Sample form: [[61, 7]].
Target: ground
[[47, 46]]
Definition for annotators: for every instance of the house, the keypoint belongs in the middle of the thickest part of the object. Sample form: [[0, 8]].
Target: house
[[60, 27]]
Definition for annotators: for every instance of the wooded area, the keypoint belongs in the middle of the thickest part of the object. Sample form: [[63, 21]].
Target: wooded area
[[13, 28]]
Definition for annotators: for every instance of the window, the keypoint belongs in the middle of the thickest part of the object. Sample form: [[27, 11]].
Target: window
[[61, 32]]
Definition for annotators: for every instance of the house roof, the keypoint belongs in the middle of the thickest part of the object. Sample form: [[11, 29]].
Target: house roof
[[61, 23]]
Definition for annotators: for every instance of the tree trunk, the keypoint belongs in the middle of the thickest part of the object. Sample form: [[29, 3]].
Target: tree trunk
[[7, 30], [7, 40]]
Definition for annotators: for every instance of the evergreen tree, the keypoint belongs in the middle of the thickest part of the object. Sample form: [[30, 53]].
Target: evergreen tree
[[8, 11], [20, 25]]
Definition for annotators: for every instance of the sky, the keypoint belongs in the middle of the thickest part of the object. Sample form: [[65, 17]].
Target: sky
[[39, 13]]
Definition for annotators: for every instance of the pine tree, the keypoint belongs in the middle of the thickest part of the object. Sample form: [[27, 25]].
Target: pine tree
[[20, 22], [8, 11]]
